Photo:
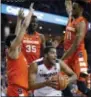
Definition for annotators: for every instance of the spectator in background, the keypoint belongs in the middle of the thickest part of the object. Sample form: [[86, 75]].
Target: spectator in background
[[60, 48], [49, 40], [58, 44], [3, 85], [6, 31], [88, 49]]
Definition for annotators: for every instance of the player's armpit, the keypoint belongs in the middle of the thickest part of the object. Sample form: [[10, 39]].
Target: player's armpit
[[20, 17]]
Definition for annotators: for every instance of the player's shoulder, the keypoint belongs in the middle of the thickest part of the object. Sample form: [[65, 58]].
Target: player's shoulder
[[39, 61], [59, 61]]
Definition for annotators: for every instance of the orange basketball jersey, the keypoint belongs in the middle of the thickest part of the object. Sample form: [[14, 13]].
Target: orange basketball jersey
[[31, 45], [17, 71], [70, 34]]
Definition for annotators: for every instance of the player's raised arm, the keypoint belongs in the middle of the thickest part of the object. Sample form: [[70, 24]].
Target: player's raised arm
[[68, 5], [20, 17], [23, 28], [28, 17]]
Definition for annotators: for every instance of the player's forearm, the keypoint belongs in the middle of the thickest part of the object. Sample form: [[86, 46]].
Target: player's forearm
[[20, 36], [69, 52], [27, 20], [21, 33], [28, 17], [37, 86], [72, 49], [18, 26], [72, 78], [75, 44]]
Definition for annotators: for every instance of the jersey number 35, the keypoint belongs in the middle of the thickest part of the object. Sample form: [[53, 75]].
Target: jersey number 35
[[31, 48]]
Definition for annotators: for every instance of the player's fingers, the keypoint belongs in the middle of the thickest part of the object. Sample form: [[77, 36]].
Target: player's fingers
[[55, 83], [22, 11], [54, 86]]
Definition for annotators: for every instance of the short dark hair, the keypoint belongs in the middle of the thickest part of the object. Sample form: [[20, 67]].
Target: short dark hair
[[81, 3], [47, 49], [9, 39]]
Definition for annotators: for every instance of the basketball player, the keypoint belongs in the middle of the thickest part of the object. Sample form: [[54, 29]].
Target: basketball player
[[17, 67], [75, 54], [32, 41], [43, 69]]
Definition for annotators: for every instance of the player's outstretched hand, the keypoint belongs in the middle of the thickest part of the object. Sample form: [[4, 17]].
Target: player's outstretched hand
[[31, 8]]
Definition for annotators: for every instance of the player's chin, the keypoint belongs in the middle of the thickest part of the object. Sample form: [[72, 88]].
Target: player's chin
[[53, 62]]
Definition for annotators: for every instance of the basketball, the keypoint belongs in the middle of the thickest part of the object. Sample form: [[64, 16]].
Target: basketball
[[62, 81]]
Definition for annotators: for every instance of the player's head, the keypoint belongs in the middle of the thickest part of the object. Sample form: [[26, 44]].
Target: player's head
[[33, 24], [77, 8], [9, 39], [50, 54], [55, 43]]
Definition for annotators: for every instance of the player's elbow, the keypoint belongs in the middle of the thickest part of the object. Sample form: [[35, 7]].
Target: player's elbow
[[74, 77], [30, 86]]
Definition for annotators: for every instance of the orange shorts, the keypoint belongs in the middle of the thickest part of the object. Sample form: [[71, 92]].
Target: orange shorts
[[16, 91], [78, 62]]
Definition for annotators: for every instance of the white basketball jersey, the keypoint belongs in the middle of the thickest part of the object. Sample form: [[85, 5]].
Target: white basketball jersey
[[43, 74]]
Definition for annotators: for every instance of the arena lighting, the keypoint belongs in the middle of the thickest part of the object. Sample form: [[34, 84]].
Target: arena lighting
[[51, 18], [89, 26], [40, 27]]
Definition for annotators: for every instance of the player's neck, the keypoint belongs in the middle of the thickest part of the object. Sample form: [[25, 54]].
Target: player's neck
[[47, 64]]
